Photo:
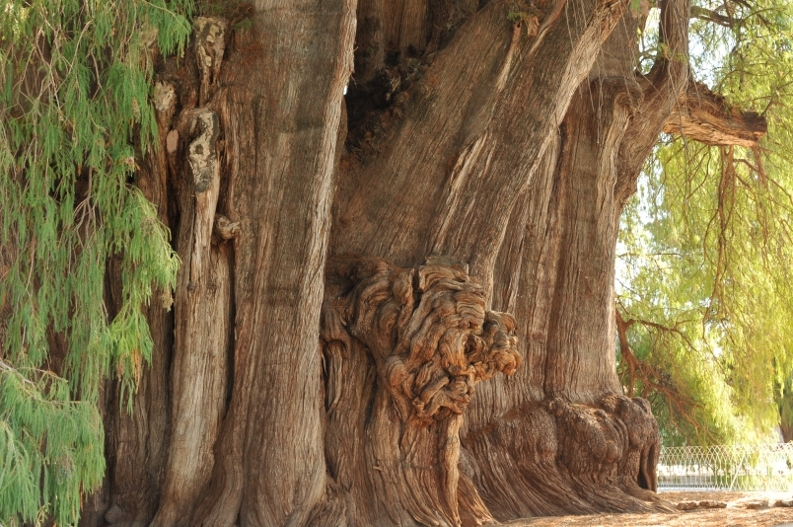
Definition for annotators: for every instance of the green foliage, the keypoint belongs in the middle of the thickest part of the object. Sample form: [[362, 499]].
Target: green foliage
[[75, 77], [51, 447], [517, 17], [707, 244]]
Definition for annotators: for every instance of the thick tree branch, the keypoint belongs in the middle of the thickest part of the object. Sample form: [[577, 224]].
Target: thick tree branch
[[712, 16], [669, 75], [661, 89], [705, 117]]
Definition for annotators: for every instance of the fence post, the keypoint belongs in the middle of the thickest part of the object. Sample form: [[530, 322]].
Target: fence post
[[740, 464]]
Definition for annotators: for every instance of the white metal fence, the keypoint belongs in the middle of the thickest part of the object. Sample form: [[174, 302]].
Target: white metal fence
[[727, 467]]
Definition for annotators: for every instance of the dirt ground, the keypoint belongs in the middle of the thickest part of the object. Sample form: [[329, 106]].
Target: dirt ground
[[743, 509]]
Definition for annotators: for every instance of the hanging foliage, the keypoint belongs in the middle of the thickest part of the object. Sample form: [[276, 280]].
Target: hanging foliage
[[75, 78], [705, 300]]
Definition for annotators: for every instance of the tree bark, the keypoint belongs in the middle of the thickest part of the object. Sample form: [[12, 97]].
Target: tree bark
[[425, 339], [787, 433], [249, 148], [137, 442], [588, 443], [466, 206], [279, 105]]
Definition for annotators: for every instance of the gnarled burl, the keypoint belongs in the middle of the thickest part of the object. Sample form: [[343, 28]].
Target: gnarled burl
[[599, 456], [403, 351]]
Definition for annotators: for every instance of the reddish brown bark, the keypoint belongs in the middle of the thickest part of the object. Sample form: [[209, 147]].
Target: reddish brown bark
[[270, 468], [467, 215], [403, 350]]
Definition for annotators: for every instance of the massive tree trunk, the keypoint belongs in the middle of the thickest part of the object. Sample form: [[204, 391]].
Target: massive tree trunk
[[487, 156]]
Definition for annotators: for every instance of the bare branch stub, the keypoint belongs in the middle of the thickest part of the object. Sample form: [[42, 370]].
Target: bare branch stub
[[705, 117]]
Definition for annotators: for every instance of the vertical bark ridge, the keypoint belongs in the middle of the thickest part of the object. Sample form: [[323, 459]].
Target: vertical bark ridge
[[202, 334], [586, 443], [581, 358], [465, 125], [525, 278], [271, 466], [203, 293], [137, 443], [413, 25], [597, 445]]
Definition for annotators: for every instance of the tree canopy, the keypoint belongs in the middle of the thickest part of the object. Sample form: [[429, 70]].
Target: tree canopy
[[705, 296]]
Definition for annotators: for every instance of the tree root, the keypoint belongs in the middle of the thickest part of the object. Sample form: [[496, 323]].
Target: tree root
[[554, 458]]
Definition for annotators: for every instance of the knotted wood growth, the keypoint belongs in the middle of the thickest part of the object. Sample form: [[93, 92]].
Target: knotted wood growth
[[203, 328], [403, 350], [599, 457]]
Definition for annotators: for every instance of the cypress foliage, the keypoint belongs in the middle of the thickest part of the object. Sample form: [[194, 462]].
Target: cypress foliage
[[75, 78], [707, 248]]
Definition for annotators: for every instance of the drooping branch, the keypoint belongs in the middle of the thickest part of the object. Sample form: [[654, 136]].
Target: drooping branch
[[706, 117], [653, 377], [700, 13]]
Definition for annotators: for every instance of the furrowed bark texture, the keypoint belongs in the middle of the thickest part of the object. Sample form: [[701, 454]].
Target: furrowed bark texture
[[137, 443], [491, 149], [566, 252], [279, 101], [476, 158], [472, 127], [703, 116], [203, 309], [588, 442], [249, 130], [591, 444]]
